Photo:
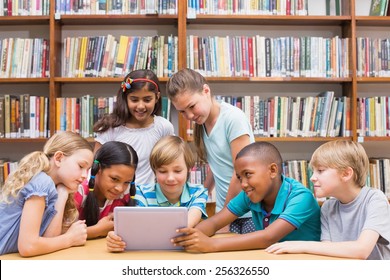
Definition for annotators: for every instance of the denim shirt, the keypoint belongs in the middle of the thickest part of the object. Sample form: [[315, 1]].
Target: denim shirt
[[11, 213]]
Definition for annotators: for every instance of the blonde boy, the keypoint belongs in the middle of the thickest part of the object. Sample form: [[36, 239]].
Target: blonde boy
[[355, 222]]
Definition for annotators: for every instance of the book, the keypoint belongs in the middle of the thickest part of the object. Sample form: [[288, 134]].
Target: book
[[378, 7], [2, 117]]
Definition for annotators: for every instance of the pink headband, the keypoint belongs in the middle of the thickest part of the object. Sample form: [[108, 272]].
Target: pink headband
[[127, 83]]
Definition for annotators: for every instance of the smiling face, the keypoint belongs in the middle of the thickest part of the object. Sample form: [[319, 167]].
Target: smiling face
[[256, 178], [113, 181], [73, 170], [141, 106], [194, 106], [172, 178]]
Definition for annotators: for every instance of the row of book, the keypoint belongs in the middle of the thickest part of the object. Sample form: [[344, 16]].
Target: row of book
[[373, 55], [373, 116], [24, 116], [79, 114], [105, 56], [25, 8], [378, 176], [24, 58], [242, 7], [324, 115], [116, 7], [259, 56]]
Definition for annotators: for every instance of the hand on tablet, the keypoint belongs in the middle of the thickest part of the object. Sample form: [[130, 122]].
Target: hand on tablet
[[114, 242], [193, 240]]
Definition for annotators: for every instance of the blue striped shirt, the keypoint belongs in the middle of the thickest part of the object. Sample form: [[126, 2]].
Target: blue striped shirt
[[193, 196]]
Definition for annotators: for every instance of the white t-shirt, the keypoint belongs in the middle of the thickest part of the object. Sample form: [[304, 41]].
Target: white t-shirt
[[231, 124], [142, 140]]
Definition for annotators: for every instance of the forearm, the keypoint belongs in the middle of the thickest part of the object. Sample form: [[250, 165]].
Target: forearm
[[95, 231], [44, 245], [347, 249], [194, 216], [55, 226], [239, 242]]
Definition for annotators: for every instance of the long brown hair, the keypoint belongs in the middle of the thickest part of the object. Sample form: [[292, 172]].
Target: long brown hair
[[121, 114], [189, 81]]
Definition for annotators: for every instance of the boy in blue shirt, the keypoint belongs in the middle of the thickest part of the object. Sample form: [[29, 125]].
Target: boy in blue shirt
[[282, 208]]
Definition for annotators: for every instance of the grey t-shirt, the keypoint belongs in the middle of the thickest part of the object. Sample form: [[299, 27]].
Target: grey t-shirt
[[345, 222]]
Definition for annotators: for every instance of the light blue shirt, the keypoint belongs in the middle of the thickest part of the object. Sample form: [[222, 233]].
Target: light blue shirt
[[294, 203], [10, 214], [193, 196], [231, 124]]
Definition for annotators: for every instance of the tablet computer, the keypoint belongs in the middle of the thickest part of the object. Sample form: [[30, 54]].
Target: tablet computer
[[149, 228]]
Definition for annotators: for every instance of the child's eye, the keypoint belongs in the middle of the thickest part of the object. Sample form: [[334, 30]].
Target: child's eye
[[247, 174]]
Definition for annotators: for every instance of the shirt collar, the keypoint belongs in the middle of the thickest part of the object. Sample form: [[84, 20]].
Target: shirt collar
[[163, 200], [281, 199]]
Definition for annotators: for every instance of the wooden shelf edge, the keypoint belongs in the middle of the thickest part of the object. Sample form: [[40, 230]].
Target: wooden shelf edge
[[96, 80], [372, 21], [23, 140], [24, 20], [23, 80], [373, 79], [269, 19], [373, 139]]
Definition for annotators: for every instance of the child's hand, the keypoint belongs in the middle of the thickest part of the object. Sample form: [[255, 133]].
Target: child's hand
[[115, 243], [77, 233], [106, 224], [62, 191], [287, 247], [194, 241]]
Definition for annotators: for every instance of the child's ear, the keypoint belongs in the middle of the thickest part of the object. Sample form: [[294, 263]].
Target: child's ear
[[58, 156], [158, 96], [273, 168], [347, 174]]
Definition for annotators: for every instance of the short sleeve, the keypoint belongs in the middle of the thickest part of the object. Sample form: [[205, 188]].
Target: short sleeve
[[140, 197], [105, 136], [237, 125], [325, 231], [239, 205], [378, 216], [199, 200], [300, 208], [41, 185]]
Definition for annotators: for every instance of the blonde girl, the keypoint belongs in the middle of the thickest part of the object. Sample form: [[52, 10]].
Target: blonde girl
[[37, 211]]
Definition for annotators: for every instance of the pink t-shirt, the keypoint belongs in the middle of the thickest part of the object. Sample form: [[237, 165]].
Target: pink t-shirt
[[81, 196]]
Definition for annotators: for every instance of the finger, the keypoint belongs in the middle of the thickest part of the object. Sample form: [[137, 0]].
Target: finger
[[185, 230]]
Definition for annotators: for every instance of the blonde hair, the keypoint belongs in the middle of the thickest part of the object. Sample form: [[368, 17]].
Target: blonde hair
[[188, 80], [168, 149], [341, 154], [39, 161]]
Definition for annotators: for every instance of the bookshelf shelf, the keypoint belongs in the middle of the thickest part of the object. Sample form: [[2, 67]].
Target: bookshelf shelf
[[373, 139], [118, 19], [23, 80], [23, 140], [270, 20], [300, 139], [372, 21], [24, 20], [95, 80], [373, 79]]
